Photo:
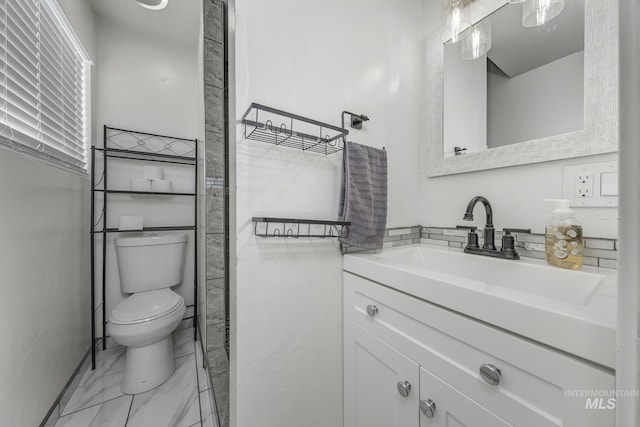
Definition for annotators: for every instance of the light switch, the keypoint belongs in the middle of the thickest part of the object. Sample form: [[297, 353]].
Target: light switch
[[609, 184]]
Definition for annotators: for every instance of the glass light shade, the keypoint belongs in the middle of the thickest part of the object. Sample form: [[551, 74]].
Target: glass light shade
[[478, 41], [153, 4], [456, 24], [539, 12]]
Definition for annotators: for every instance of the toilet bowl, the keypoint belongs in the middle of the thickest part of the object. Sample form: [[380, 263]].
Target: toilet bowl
[[144, 321]]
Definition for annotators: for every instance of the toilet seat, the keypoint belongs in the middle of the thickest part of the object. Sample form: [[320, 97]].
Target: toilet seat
[[146, 306]]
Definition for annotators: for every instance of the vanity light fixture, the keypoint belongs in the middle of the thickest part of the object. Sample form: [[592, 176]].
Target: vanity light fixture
[[539, 12], [153, 4], [478, 42], [456, 22]]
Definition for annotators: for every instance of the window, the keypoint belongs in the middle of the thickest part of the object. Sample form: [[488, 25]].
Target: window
[[44, 85]]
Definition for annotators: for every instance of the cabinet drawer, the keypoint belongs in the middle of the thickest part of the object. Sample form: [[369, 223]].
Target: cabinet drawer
[[534, 378]]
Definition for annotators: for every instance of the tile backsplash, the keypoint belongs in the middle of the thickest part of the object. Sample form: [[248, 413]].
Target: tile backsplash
[[402, 236], [597, 252]]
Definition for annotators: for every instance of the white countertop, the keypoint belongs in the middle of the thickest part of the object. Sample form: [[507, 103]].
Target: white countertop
[[583, 324]]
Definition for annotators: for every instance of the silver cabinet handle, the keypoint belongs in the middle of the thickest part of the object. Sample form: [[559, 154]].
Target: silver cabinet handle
[[428, 408], [490, 374], [372, 310], [404, 388]]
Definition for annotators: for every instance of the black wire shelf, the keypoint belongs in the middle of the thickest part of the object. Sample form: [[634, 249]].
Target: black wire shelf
[[145, 193], [297, 228], [277, 127], [135, 145], [119, 153], [142, 230]]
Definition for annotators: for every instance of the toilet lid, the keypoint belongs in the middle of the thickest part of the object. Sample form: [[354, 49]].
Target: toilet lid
[[145, 306]]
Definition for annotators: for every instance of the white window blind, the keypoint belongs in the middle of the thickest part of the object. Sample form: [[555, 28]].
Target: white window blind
[[44, 84]]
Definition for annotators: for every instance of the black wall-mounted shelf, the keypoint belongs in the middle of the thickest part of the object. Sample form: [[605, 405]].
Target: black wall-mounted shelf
[[138, 146], [145, 193], [296, 228], [273, 126], [117, 230]]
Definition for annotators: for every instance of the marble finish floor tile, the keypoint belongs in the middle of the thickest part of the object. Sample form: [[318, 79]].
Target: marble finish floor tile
[[175, 403], [112, 413], [203, 377], [206, 414], [86, 366], [183, 342], [100, 385], [94, 399]]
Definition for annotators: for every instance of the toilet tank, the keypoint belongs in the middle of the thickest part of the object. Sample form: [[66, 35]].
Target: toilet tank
[[150, 262]]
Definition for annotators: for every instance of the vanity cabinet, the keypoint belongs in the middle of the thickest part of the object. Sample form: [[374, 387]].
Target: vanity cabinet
[[447, 407], [383, 384], [391, 338]]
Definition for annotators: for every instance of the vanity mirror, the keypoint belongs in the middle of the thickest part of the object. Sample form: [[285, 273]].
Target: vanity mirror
[[519, 87]]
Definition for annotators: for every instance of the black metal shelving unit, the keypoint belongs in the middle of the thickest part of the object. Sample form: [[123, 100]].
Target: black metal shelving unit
[[278, 127], [296, 227], [145, 147]]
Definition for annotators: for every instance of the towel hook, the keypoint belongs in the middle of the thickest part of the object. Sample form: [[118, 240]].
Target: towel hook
[[356, 121]]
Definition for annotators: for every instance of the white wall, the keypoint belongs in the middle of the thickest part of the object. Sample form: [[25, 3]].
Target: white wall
[[150, 86], [145, 84], [314, 59], [554, 95], [515, 193], [44, 260]]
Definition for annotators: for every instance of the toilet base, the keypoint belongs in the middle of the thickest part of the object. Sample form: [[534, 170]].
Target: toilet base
[[148, 366]]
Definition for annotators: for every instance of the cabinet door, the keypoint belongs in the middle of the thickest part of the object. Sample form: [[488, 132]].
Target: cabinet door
[[372, 374], [452, 408]]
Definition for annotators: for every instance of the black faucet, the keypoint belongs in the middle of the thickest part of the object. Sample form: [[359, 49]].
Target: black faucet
[[488, 248], [489, 231]]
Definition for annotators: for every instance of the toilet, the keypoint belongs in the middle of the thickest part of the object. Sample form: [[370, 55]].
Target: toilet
[[149, 266]]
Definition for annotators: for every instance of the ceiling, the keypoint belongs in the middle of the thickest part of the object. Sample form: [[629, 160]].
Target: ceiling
[[178, 23], [516, 49]]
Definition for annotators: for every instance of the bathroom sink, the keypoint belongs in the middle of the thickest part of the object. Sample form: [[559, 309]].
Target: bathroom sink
[[507, 278], [550, 305]]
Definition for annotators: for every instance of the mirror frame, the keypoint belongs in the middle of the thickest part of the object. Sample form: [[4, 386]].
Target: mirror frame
[[600, 133]]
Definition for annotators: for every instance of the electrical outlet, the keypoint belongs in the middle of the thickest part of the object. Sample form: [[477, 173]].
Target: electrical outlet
[[583, 185], [591, 185]]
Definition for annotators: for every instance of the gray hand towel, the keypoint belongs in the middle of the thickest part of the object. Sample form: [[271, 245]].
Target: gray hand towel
[[363, 195]]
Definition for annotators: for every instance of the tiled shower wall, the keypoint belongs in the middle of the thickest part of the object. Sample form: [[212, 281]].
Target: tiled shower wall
[[216, 190]]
